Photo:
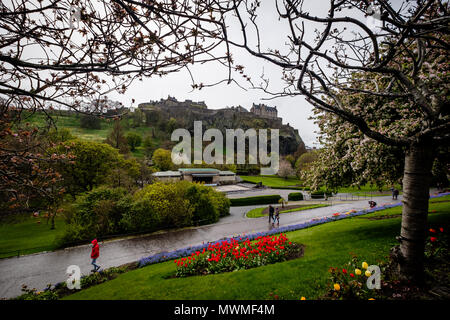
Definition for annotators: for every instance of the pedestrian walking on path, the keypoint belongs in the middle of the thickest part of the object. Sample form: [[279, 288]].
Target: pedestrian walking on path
[[277, 216], [271, 214], [395, 193], [95, 253]]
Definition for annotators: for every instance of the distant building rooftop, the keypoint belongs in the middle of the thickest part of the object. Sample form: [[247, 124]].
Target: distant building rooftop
[[226, 173], [167, 174], [198, 170]]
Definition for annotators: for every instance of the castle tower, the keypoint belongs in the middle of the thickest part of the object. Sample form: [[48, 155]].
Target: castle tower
[[264, 111]]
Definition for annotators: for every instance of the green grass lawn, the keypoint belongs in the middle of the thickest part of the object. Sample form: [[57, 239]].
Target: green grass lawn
[[327, 245], [28, 236], [257, 212], [73, 124], [272, 181], [275, 181], [368, 190]]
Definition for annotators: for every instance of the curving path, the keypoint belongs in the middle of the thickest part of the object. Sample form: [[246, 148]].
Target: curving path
[[38, 270]]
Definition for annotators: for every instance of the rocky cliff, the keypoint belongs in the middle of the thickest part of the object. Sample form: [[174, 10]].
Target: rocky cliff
[[230, 118]]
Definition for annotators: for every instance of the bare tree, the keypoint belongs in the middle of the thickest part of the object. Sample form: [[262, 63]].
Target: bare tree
[[390, 82], [47, 57]]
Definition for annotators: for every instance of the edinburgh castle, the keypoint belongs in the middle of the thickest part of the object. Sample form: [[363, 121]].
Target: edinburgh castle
[[186, 112]]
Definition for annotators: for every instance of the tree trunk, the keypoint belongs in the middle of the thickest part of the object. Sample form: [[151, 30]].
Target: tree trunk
[[416, 193], [53, 220]]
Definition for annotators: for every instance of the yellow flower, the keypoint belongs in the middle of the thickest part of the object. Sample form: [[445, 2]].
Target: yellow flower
[[357, 272], [371, 299], [365, 265], [302, 298], [337, 287], [368, 273]]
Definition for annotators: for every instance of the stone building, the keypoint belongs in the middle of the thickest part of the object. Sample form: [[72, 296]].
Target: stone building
[[264, 111], [239, 109], [206, 175]]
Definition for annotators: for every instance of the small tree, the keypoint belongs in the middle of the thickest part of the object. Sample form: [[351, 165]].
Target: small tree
[[285, 169], [138, 118], [290, 158], [282, 201], [305, 161], [116, 138], [134, 140], [56, 135], [171, 125], [162, 159], [149, 146], [87, 166], [89, 121]]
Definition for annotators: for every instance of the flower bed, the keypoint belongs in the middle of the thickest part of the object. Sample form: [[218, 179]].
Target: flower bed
[[165, 256], [232, 255], [349, 282]]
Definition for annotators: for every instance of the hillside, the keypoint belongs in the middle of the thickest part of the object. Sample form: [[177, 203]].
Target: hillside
[[185, 113], [157, 120]]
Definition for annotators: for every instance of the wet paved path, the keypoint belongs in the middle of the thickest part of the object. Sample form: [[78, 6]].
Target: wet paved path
[[38, 270]]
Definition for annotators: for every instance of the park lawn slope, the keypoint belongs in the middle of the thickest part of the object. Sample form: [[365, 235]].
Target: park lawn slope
[[28, 236], [72, 122], [327, 245], [369, 190]]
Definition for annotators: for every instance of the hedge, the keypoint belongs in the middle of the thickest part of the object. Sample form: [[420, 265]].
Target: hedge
[[295, 196], [248, 201], [106, 211], [320, 194], [288, 188]]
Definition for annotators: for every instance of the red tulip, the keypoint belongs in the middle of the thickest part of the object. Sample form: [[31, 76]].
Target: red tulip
[[432, 231], [344, 271], [352, 275], [441, 229], [433, 239]]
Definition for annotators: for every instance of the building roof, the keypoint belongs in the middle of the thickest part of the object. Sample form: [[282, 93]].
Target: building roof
[[167, 174], [227, 173], [263, 106], [208, 174], [198, 170]]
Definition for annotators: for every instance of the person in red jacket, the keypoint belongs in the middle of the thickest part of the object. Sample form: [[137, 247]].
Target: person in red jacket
[[94, 254]]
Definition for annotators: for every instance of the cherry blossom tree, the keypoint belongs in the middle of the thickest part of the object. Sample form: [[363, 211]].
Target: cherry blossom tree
[[349, 158], [389, 82], [285, 170]]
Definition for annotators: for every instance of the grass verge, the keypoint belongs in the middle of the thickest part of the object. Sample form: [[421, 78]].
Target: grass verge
[[258, 212]]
